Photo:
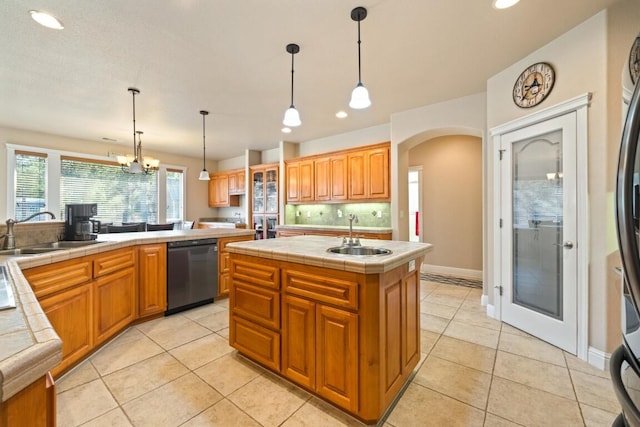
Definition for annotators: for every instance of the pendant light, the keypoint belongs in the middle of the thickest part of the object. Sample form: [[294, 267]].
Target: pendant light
[[137, 164], [360, 95], [291, 116], [204, 175]]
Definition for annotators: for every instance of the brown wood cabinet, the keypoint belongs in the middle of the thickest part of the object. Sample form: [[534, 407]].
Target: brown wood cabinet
[[327, 330], [114, 303], [219, 191], [152, 279], [236, 182], [35, 405], [360, 174], [223, 262]]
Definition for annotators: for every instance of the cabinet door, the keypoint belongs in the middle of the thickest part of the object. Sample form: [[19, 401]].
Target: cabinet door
[[240, 189], [293, 181], [48, 279], [378, 173], [152, 279], [305, 188], [259, 343], [322, 170], [109, 262], [298, 341], [213, 182], [222, 190], [337, 356], [410, 321], [71, 315], [338, 177], [114, 303], [271, 191], [233, 183], [257, 192], [357, 172]]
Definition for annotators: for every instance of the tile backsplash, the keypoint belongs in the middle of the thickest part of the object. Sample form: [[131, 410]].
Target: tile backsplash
[[33, 233], [369, 214]]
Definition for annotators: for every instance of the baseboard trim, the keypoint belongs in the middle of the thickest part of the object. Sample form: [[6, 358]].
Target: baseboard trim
[[452, 271], [598, 358], [484, 300], [491, 310]]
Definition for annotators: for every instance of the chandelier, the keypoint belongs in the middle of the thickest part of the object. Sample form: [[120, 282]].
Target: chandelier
[[136, 163]]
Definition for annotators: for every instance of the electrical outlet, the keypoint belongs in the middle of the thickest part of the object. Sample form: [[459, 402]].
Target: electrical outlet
[[308, 214], [339, 213], [297, 213], [379, 214]]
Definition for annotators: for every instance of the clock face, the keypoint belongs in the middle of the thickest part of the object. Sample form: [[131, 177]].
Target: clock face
[[634, 61], [533, 85]]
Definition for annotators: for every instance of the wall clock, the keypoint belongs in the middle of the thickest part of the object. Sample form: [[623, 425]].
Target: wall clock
[[533, 85], [634, 60]]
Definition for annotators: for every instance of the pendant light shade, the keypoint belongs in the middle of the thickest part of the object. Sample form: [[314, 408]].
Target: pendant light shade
[[204, 175], [291, 116], [360, 95], [136, 163]]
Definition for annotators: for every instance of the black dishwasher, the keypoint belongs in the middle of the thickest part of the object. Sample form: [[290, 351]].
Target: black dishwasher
[[192, 273]]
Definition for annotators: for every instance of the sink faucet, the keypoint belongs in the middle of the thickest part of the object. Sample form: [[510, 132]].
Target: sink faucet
[[351, 242], [9, 238]]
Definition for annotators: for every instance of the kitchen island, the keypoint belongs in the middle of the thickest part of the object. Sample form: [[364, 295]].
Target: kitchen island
[[30, 347], [344, 327]]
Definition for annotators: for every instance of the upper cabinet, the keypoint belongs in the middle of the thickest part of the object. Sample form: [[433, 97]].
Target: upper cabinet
[[225, 188], [359, 175]]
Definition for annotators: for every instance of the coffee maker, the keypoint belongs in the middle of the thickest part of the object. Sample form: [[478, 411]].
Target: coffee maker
[[78, 225]]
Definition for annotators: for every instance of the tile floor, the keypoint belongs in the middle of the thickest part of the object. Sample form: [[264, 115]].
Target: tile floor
[[476, 371]]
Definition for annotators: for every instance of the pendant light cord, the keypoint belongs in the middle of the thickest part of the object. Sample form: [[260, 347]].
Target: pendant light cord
[[359, 65], [203, 143], [135, 151], [292, 55]]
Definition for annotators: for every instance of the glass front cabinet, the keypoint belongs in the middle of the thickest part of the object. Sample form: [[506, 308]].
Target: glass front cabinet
[[264, 200]]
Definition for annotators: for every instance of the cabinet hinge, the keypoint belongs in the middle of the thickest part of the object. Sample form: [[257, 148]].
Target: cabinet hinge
[[501, 152]]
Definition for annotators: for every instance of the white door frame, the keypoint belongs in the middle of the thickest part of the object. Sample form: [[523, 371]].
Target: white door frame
[[579, 105], [420, 207]]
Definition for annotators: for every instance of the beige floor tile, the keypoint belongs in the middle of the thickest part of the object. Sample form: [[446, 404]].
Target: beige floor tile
[[173, 403], [136, 380], [506, 328], [224, 333], [531, 347], [203, 311], [426, 287], [444, 299], [319, 413], [533, 373], [594, 417], [201, 351], [228, 373], [576, 364], [420, 406], [440, 310], [81, 374], [531, 407], [478, 318], [164, 331], [465, 353], [113, 418], [457, 291], [129, 348], [495, 421], [84, 403], [459, 382], [427, 340], [595, 391], [215, 321], [223, 413], [473, 333], [269, 400], [433, 323], [223, 302]]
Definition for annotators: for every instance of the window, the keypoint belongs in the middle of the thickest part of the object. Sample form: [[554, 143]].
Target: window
[[30, 184], [121, 197], [45, 179]]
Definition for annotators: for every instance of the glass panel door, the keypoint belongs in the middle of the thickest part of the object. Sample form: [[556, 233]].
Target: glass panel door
[[537, 194], [258, 191], [272, 191]]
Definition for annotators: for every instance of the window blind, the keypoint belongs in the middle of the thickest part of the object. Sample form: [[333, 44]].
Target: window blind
[[30, 184], [174, 195]]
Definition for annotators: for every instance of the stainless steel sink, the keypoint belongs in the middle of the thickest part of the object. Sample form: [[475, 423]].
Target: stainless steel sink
[[29, 251], [359, 250], [67, 244], [43, 248]]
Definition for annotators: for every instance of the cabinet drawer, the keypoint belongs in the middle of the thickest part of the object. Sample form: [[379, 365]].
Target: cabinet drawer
[[257, 304], [254, 273], [258, 343], [113, 261], [47, 279], [336, 290]]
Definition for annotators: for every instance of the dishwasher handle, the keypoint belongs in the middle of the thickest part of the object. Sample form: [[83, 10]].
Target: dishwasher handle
[[190, 243]]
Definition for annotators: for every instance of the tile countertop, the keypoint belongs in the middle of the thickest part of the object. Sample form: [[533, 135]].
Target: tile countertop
[[312, 250], [29, 346], [345, 228]]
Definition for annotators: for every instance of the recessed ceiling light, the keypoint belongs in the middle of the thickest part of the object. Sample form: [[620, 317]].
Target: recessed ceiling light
[[46, 20], [503, 4], [341, 114], [286, 130]]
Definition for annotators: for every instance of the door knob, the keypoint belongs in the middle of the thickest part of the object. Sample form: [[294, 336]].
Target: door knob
[[567, 245]]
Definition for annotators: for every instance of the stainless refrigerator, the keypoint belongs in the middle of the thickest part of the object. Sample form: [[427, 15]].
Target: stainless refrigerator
[[625, 361]]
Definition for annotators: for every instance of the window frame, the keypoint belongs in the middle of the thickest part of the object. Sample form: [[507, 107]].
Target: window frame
[[52, 193]]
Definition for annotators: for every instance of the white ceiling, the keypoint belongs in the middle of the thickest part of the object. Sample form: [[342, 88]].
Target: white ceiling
[[229, 57]]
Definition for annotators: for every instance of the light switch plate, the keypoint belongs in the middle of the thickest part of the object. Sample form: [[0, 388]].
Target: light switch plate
[[412, 265]]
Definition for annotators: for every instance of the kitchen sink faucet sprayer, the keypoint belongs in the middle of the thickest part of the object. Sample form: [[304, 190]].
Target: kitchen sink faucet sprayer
[[9, 238], [351, 242]]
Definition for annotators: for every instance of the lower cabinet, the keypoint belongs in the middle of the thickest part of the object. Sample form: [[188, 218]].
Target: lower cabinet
[[35, 405], [152, 279], [223, 262], [115, 303], [71, 315]]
